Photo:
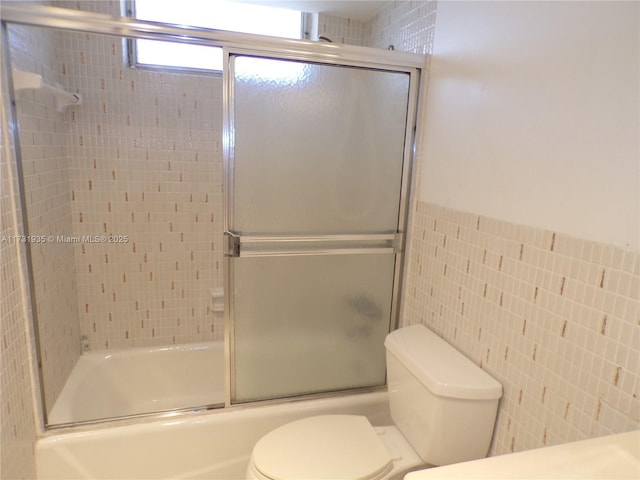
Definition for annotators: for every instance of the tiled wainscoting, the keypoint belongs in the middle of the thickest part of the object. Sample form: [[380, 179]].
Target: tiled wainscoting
[[555, 319]]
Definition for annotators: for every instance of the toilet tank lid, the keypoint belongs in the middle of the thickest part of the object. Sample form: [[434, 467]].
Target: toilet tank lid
[[439, 366]]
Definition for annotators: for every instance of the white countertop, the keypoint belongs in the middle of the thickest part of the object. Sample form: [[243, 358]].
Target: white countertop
[[609, 457]]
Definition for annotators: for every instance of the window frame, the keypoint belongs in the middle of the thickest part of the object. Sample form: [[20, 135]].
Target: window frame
[[131, 54]]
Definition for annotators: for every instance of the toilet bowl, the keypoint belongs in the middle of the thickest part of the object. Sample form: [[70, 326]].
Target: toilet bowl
[[332, 447], [443, 407]]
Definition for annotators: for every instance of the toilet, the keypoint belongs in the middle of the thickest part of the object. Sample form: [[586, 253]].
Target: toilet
[[443, 408]]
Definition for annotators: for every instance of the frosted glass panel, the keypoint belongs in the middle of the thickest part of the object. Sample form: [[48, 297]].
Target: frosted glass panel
[[310, 324], [317, 162], [318, 148]]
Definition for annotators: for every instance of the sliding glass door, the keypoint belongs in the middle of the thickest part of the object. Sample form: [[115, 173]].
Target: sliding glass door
[[317, 167]]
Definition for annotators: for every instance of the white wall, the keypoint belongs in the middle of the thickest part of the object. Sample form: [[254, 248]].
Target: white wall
[[533, 116]]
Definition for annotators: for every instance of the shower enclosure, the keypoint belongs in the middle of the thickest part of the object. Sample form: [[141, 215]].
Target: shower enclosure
[[316, 170], [301, 180]]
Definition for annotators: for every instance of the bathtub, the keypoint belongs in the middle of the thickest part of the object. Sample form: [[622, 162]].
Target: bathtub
[[208, 445], [141, 380]]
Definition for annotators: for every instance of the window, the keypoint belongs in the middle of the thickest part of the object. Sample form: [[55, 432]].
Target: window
[[218, 14]]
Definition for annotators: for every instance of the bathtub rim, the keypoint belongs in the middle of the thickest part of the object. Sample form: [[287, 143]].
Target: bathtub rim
[[193, 412], [132, 351], [189, 411], [59, 455]]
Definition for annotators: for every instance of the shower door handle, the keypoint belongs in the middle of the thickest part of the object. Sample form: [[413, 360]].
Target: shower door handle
[[237, 245], [231, 244]]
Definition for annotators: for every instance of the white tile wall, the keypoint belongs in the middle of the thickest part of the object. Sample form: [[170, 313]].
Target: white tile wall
[[139, 161], [17, 426], [406, 25], [43, 132], [342, 30], [145, 150], [555, 319], [146, 163]]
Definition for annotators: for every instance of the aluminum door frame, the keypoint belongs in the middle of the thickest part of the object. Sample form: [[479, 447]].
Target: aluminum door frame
[[397, 240]]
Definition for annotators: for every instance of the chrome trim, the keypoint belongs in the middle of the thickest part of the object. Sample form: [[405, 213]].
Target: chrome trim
[[24, 221], [228, 154], [80, 21], [398, 242], [296, 245], [160, 414], [319, 251], [231, 244], [316, 238], [405, 194], [310, 396]]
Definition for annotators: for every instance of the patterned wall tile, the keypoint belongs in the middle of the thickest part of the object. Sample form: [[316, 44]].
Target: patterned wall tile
[[17, 426], [139, 163], [555, 319], [147, 171], [408, 26], [43, 132], [342, 30]]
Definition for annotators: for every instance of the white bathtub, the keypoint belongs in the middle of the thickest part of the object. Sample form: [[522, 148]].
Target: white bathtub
[[141, 380], [215, 445]]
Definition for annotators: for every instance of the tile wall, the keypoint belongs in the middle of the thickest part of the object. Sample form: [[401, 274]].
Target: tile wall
[[43, 134], [139, 163], [407, 26], [142, 159], [17, 425], [147, 173], [145, 164], [342, 30], [555, 319], [146, 156]]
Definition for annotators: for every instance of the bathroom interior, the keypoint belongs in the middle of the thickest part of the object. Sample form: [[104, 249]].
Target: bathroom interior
[[481, 166]]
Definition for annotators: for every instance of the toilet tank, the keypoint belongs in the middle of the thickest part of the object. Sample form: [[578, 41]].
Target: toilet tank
[[443, 403]]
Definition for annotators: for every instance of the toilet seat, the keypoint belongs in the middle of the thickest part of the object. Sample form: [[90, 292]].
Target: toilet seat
[[322, 447]]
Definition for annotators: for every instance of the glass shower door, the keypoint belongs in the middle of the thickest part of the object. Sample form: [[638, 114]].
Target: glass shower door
[[316, 166]]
